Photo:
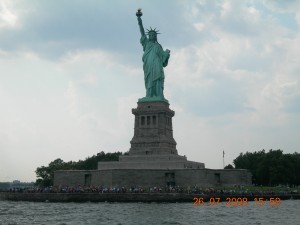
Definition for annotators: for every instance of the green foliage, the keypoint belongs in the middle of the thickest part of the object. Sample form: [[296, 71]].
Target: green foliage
[[271, 168], [45, 174], [229, 166]]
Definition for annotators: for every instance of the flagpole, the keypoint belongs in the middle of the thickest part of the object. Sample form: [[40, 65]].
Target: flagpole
[[223, 160]]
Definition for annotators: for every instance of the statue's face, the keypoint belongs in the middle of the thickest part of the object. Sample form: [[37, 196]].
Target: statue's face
[[152, 36]]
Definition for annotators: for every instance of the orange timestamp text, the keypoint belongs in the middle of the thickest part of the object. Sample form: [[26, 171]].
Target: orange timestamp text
[[233, 201]]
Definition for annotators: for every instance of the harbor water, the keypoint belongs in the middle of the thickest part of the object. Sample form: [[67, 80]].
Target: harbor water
[[16, 212]]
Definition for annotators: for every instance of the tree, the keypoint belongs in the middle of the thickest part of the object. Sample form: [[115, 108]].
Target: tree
[[229, 166], [271, 168], [45, 174]]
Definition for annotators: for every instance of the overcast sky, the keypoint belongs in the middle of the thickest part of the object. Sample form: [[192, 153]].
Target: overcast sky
[[71, 71]]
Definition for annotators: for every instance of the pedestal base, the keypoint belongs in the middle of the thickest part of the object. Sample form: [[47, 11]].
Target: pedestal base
[[150, 162]]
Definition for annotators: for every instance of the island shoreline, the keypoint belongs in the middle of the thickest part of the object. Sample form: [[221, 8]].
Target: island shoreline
[[137, 197]]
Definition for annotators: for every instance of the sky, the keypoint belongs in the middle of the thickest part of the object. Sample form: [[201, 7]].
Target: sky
[[71, 71]]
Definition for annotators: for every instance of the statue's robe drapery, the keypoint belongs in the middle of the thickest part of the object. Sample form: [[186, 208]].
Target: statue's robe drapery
[[154, 59]]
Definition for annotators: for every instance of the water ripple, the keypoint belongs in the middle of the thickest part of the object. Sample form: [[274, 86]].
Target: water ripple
[[22, 213]]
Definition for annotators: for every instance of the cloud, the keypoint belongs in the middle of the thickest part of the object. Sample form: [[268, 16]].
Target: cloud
[[8, 18], [288, 6], [52, 109], [51, 30], [71, 72], [247, 64]]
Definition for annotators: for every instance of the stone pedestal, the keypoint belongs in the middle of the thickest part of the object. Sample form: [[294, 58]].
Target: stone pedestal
[[153, 145], [153, 130]]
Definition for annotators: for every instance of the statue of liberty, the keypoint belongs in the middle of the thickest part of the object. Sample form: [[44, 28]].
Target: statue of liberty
[[154, 59]]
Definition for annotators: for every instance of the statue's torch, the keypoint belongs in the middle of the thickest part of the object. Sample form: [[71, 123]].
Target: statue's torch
[[139, 13]]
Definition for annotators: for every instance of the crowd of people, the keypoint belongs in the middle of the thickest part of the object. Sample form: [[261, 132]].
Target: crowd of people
[[139, 189]]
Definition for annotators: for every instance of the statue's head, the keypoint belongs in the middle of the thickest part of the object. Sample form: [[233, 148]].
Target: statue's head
[[152, 34]]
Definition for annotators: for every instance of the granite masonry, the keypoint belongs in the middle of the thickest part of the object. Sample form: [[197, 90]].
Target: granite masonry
[[153, 159]]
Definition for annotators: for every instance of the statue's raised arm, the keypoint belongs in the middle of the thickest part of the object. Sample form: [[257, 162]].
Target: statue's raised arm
[[139, 15], [154, 59]]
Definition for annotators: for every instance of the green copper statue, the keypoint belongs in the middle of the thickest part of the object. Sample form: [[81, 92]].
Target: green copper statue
[[154, 59]]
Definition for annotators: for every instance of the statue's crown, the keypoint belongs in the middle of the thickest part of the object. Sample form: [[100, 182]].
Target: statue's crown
[[152, 30]]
